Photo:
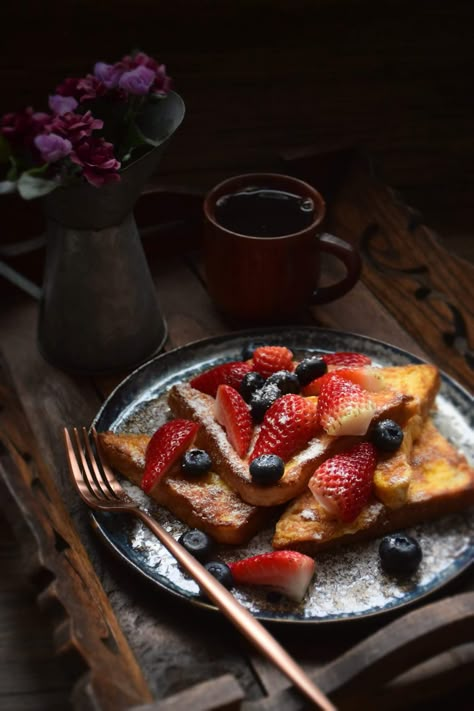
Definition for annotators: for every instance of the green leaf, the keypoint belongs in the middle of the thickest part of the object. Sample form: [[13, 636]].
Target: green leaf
[[5, 150], [134, 139], [38, 170], [30, 187], [14, 171]]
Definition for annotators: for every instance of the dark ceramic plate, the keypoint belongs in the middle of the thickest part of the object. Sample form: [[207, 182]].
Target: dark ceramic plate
[[348, 583]]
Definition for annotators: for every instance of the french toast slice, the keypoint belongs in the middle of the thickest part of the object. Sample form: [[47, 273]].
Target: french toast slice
[[393, 474], [441, 482], [188, 403], [204, 502], [420, 383]]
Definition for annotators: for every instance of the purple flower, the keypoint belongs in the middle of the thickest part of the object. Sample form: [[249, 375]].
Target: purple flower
[[20, 128], [96, 157], [62, 104], [109, 74], [140, 59], [90, 87], [74, 127], [137, 81], [52, 147], [162, 83], [69, 88]]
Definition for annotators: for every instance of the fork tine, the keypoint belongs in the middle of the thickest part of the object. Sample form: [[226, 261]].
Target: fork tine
[[87, 470], [107, 472], [96, 471], [76, 470]]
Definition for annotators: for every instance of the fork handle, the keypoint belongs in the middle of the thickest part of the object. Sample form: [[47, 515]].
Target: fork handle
[[239, 615]]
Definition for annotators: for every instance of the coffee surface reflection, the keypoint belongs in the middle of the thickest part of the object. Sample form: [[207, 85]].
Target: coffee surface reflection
[[264, 212]]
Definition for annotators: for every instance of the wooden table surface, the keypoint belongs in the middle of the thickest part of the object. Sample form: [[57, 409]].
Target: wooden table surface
[[45, 662]]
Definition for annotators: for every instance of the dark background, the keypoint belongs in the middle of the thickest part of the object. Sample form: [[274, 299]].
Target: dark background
[[262, 76], [258, 77]]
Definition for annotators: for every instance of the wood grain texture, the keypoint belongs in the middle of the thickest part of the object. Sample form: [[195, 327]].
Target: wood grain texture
[[178, 649], [31, 676], [427, 290], [87, 635], [222, 694], [165, 637], [364, 676]]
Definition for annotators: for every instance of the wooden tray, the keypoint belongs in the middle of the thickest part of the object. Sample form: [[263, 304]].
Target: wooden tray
[[124, 646]]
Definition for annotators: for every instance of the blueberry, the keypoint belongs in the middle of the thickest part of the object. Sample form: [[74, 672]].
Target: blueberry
[[262, 399], [247, 351], [222, 572], [286, 381], [198, 543], [399, 554], [267, 469], [387, 435], [250, 383], [196, 461], [310, 368]]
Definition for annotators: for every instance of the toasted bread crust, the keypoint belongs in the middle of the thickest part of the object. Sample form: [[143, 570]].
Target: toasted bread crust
[[205, 502], [393, 473], [442, 482], [424, 479], [420, 381], [191, 404], [186, 402]]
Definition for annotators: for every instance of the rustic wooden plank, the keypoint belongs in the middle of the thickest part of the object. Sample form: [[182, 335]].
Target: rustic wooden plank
[[87, 633], [222, 694], [69, 400], [358, 678], [426, 289], [164, 637], [31, 677]]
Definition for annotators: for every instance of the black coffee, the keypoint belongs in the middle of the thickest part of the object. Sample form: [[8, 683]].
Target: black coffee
[[262, 212]]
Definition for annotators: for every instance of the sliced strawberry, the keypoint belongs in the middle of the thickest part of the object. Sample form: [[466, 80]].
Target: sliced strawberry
[[287, 427], [345, 359], [225, 374], [344, 408], [367, 377], [166, 446], [270, 359], [233, 414], [343, 483], [288, 572]]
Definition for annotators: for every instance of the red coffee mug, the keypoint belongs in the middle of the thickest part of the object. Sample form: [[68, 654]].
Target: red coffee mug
[[270, 279]]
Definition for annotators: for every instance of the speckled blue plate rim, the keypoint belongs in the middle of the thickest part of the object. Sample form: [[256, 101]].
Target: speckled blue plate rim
[[112, 527]]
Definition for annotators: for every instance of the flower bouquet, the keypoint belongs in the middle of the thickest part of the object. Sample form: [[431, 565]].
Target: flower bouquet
[[95, 128], [88, 158]]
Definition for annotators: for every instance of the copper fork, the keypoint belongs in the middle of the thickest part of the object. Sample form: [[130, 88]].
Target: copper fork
[[100, 490]]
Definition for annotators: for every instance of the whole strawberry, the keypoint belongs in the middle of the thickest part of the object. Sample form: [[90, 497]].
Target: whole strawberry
[[226, 374], [344, 408], [343, 483], [287, 427], [270, 359]]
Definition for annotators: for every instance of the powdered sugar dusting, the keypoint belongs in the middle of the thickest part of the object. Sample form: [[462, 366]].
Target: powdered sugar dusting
[[348, 581]]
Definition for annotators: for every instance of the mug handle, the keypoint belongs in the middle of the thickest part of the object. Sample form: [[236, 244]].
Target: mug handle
[[350, 257]]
